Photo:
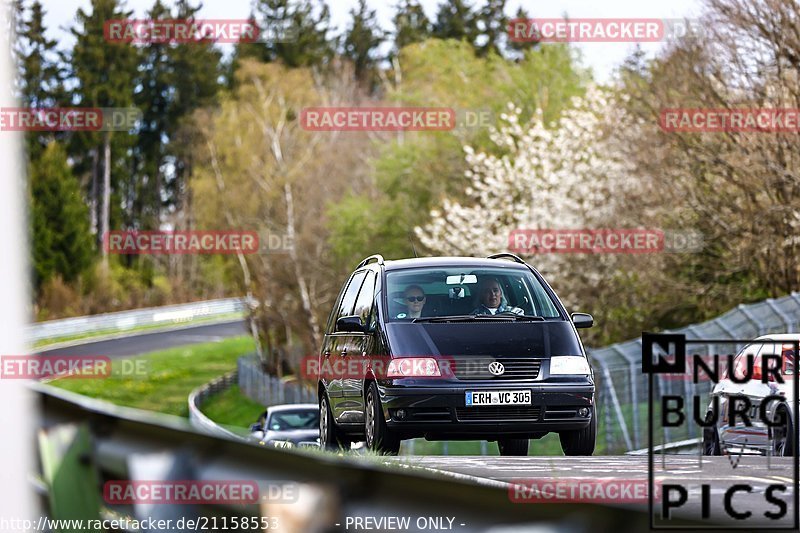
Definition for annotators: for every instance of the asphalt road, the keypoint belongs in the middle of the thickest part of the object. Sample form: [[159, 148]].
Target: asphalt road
[[717, 473], [688, 471], [139, 343]]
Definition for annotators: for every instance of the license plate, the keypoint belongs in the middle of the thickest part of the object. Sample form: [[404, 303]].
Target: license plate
[[498, 397]]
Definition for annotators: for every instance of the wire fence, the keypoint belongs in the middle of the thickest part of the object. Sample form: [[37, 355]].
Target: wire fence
[[266, 389], [622, 387]]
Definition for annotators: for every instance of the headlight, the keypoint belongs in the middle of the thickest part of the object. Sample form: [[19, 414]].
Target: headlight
[[569, 364], [406, 367]]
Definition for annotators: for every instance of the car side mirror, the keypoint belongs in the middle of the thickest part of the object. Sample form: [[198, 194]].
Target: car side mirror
[[350, 323], [582, 320], [256, 427]]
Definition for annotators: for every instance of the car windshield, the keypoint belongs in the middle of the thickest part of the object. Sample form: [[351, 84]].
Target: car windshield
[[428, 293], [296, 419]]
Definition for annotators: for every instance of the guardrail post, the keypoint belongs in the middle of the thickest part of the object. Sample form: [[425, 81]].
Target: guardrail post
[[164, 467], [69, 472]]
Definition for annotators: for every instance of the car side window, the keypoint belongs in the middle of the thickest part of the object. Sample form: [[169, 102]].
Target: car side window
[[740, 361], [787, 352], [335, 310], [349, 299], [365, 297]]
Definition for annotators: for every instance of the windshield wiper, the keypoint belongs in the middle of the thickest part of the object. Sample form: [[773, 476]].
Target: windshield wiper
[[526, 318], [477, 318], [446, 318]]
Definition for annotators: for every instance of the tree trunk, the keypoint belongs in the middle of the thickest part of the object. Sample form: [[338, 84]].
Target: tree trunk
[[305, 299], [251, 313], [93, 194], [242, 263], [105, 221]]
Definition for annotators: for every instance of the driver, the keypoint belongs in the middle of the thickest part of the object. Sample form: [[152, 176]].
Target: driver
[[490, 296]]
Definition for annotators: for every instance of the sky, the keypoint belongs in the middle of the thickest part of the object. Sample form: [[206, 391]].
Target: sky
[[601, 57]]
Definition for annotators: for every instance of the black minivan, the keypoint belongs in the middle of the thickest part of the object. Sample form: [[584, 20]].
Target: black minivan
[[454, 348]]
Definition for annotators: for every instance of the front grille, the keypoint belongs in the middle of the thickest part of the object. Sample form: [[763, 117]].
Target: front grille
[[477, 368], [499, 413]]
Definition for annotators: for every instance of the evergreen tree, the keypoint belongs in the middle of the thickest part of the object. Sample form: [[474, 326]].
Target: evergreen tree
[[362, 39], [492, 27], [143, 190], [104, 74], [175, 79], [196, 79], [411, 24], [61, 243], [520, 47], [16, 23], [295, 32], [456, 20], [40, 81]]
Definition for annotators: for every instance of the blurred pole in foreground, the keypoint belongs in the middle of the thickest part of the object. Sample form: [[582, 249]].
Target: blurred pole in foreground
[[16, 409]]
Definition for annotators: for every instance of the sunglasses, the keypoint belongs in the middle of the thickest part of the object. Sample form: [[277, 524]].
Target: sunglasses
[[415, 298]]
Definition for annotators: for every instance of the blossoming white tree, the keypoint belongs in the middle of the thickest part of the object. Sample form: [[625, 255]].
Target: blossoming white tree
[[561, 176]]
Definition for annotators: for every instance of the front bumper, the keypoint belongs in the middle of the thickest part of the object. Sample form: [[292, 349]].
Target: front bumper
[[439, 412]]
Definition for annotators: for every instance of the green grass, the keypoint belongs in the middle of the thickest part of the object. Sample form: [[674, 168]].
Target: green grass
[[168, 378], [232, 409]]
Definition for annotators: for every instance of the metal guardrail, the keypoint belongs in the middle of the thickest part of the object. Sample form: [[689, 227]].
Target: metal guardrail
[[780, 315], [622, 387], [171, 315], [681, 446], [200, 395], [87, 441]]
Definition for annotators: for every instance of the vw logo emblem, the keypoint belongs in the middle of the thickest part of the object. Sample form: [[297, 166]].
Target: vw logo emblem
[[496, 368]]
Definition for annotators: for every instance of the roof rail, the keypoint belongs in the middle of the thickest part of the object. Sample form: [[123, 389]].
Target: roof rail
[[506, 255], [377, 257]]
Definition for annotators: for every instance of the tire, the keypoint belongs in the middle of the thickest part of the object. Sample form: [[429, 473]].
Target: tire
[[379, 437], [580, 442], [711, 439], [513, 447], [784, 438], [329, 438]]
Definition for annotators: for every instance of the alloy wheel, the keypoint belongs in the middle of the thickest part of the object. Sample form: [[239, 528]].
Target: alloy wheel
[[323, 423], [370, 421], [780, 436]]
